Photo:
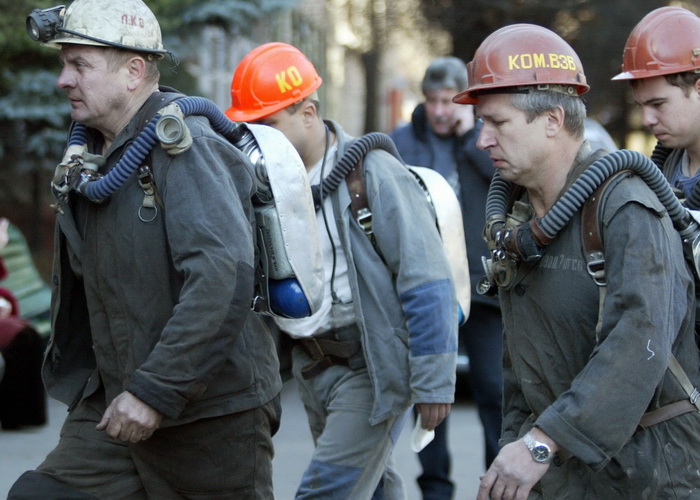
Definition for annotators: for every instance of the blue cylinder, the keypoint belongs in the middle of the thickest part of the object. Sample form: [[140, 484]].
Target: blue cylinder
[[287, 299]]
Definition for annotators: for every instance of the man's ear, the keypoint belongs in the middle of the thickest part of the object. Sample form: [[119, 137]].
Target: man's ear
[[309, 111], [696, 87], [555, 121], [136, 67]]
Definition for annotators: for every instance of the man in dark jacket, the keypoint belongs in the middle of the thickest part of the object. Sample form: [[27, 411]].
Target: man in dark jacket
[[594, 406], [172, 382], [442, 136]]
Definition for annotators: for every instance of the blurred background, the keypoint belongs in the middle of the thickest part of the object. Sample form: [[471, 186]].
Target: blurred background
[[370, 53]]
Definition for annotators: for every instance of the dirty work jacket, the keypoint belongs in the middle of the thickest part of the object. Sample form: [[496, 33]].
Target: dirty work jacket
[[406, 309], [589, 392], [161, 307]]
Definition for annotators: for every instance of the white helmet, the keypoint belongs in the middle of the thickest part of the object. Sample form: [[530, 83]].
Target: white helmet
[[126, 24]]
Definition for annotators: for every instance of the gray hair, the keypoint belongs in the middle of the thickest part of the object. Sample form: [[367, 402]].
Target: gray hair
[[445, 73], [537, 102]]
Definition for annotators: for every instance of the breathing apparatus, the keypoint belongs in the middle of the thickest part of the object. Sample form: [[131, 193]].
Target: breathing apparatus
[[290, 267], [440, 195], [513, 241], [290, 262]]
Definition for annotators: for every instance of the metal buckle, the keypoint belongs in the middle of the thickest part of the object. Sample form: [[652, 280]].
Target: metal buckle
[[313, 348], [364, 219], [596, 268]]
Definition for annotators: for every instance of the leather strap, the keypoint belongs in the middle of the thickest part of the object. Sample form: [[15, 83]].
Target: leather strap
[[359, 204], [317, 348], [666, 413], [326, 353]]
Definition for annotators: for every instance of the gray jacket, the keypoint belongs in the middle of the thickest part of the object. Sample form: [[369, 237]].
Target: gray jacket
[[405, 303], [161, 307], [588, 391]]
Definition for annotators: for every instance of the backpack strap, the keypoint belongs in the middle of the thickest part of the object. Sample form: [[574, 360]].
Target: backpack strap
[[592, 243], [151, 200], [592, 238], [359, 203]]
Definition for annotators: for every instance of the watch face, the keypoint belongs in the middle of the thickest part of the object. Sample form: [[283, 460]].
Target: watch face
[[541, 453]]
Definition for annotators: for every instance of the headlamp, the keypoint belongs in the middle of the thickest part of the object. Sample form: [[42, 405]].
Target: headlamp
[[44, 24]]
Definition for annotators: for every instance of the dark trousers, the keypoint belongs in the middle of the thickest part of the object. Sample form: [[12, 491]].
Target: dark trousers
[[227, 457], [22, 394], [482, 335]]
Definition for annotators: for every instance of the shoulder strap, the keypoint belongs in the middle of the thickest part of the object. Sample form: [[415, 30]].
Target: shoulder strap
[[151, 201], [592, 243], [359, 204], [592, 238]]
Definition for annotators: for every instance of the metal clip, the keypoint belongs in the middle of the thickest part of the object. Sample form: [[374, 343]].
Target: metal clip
[[364, 219]]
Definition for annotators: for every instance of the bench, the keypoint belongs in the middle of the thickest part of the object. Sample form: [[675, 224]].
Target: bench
[[25, 282]]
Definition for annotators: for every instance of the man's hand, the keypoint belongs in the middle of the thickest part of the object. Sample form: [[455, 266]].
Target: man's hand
[[129, 419], [464, 119], [512, 474], [431, 414]]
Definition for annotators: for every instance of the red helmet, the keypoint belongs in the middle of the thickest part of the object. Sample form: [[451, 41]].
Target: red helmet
[[665, 41], [270, 78], [523, 55]]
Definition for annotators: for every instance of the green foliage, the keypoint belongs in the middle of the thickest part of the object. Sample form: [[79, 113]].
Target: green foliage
[[239, 13], [34, 98]]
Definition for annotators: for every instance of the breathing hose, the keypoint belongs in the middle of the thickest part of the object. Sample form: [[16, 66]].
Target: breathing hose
[[526, 242], [659, 157], [99, 188], [352, 155]]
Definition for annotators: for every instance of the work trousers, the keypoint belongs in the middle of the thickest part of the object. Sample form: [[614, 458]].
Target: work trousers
[[352, 459], [227, 457]]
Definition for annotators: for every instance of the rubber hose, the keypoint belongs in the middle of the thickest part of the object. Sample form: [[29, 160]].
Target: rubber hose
[[147, 139], [352, 155], [563, 210]]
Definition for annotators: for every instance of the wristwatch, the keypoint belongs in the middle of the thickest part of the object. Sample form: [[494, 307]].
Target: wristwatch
[[541, 452]]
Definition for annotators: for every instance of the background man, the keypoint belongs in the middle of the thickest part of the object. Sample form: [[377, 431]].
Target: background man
[[442, 136], [661, 65], [171, 381], [574, 391], [385, 336]]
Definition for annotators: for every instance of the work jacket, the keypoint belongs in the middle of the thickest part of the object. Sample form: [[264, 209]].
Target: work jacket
[[156, 301], [404, 300], [589, 390]]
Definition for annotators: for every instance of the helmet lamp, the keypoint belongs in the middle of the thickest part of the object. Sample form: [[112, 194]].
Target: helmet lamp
[[44, 24]]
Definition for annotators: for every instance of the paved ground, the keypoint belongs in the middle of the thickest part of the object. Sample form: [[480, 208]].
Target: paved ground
[[23, 450]]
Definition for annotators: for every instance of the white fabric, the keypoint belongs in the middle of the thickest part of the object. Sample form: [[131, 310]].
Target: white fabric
[[329, 315]]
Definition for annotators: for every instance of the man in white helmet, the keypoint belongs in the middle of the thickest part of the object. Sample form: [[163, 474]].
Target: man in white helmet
[[172, 382]]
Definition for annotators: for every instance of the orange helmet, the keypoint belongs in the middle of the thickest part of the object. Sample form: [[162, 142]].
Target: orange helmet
[[270, 78], [665, 41], [522, 55]]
